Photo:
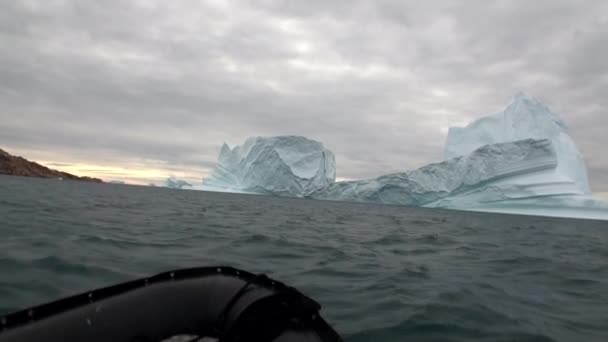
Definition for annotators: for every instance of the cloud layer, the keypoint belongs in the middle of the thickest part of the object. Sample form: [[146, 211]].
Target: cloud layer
[[379, 82]]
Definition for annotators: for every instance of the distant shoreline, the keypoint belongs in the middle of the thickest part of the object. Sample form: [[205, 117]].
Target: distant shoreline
[[19, 166]]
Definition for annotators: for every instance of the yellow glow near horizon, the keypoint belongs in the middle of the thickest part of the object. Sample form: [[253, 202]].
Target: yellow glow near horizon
[[601, 195], [137, 171], [139, 174]]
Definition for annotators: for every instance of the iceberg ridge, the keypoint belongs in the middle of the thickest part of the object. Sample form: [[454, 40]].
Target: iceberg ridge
[[481, 170]]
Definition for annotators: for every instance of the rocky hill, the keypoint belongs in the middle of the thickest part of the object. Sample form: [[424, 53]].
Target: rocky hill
[[18, 166]]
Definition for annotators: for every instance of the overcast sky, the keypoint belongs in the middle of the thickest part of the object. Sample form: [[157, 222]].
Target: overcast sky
[[112, 87]]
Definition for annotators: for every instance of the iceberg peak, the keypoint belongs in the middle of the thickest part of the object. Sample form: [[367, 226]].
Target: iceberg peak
[[225, 148], [525, 117]]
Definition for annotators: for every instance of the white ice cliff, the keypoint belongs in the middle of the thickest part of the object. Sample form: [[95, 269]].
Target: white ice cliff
[[520, 160], [525, 118], [284, 165]]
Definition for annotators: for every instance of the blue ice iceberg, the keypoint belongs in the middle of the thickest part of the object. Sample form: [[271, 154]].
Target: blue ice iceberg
[[284, 165], [483, 175], [525, 118], [520, 160]]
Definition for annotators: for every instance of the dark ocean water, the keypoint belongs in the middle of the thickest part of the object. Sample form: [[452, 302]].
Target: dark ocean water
[[382, 273]]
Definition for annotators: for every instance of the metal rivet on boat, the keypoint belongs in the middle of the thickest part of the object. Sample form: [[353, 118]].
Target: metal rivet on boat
[[272, 283], [90, 295], [172, 274], [89, 321], [219, 270], [146, 282], [237, 273]]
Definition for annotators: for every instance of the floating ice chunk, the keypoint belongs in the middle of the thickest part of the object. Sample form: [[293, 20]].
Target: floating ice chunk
[[174, 183]]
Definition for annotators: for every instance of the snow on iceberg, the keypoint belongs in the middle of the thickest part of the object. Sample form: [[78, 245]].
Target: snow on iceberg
[[283, 165]]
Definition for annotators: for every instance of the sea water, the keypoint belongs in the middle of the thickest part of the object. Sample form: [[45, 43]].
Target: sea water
[[381, 273]]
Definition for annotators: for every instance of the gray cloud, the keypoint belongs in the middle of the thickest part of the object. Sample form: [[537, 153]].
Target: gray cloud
[[377, 81]]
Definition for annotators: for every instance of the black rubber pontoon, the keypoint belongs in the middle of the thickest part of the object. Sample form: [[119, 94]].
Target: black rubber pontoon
[[220, 302]]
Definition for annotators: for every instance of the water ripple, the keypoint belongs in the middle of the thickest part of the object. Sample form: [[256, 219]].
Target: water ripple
[[382, 273]]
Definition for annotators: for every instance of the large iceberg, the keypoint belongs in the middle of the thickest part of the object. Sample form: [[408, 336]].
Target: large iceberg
[[482, 175], [520, 160], [525, 118], [284, 165]]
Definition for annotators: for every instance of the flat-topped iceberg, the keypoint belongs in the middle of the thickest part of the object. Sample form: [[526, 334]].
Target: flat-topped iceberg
[[284, 165]]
